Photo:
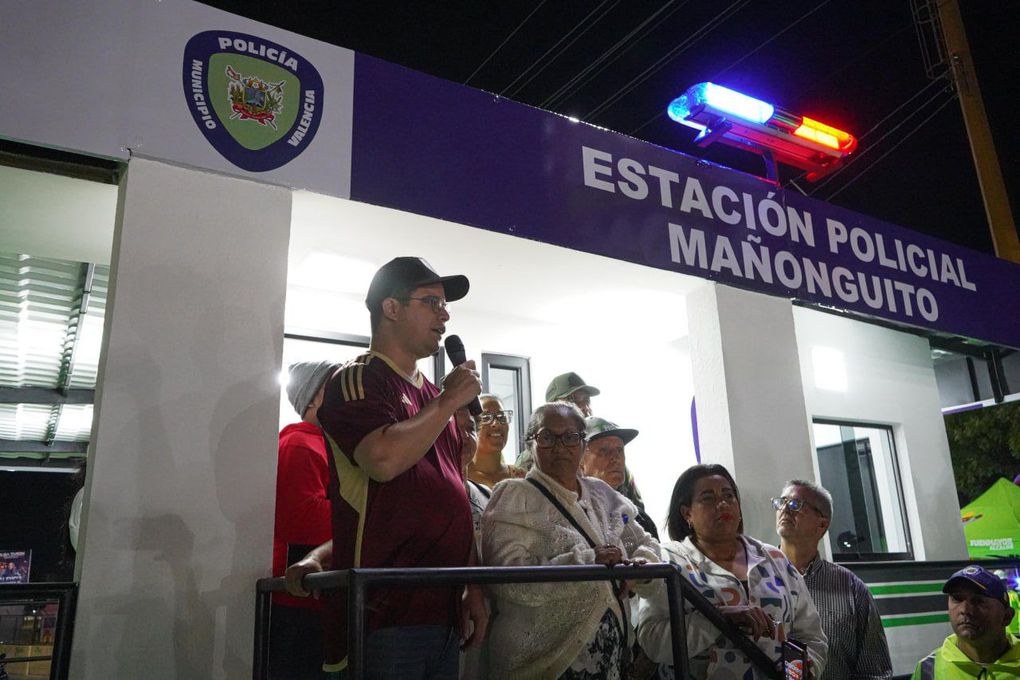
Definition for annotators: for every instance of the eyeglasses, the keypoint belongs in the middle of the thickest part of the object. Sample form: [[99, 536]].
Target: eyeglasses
[[795, 504], [437, 303], [490, 417], [710, 499], [545, 439]]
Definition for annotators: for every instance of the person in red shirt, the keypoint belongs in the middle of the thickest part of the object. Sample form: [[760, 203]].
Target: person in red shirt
[[302, 522], [397, 485]]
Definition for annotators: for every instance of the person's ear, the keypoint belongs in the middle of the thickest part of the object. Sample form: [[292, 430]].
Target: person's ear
[[824, 524], [391, 308]]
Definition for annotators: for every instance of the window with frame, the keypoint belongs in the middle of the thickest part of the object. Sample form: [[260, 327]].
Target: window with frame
[[509, 378], [857, 463]]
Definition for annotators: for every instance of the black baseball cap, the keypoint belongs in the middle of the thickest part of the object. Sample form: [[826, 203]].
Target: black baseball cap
[[403, 273]]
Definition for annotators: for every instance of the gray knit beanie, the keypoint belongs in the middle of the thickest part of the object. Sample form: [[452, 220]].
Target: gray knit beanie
[[304, 380]]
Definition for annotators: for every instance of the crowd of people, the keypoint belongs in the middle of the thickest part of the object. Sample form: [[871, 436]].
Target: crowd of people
[[386, 469]]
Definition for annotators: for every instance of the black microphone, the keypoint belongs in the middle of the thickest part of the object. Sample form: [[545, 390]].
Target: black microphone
[[455, 350]]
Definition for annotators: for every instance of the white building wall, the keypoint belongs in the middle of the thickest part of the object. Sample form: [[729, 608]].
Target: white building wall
[[888, 379], [620, 326], [751, 413], [179, 518]]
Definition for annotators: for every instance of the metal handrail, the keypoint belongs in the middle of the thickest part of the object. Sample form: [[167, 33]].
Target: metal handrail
[[66, 595], [26, 659], [356, 582]]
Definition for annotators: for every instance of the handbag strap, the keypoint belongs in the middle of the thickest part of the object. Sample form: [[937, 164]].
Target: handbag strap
[[563, 511], [625, 661]]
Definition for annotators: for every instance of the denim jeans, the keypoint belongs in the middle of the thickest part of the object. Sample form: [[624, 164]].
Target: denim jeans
[[412, 653]]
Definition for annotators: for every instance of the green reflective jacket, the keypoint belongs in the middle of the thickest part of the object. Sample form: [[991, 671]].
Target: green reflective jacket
[[948, 663]]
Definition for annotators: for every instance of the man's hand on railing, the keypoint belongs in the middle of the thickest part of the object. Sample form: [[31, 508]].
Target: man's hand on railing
[[751, 620], [474, 617], [312, 563]]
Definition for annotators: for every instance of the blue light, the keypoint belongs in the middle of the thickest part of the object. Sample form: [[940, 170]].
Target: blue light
[[722, 99]]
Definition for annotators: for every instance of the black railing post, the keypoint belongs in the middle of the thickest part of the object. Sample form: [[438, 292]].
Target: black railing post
[[677, 625], [356, 585], [263, 609], [67, 603]]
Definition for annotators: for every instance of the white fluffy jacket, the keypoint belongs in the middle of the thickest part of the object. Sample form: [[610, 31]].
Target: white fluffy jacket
[[539, 629]]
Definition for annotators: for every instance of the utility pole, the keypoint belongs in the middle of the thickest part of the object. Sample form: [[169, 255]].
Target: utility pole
[[986, 161]]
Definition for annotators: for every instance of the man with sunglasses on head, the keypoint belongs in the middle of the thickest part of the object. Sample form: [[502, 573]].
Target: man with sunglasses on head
[[857, 646], [397, 486]]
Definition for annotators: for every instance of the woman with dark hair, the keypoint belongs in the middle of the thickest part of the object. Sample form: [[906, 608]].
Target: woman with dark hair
[[575, 631], [752, 584]]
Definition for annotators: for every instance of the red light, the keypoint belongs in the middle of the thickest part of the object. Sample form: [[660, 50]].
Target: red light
[[826, 135]]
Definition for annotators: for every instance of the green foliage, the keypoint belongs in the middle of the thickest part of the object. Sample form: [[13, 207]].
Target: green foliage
[[984, 445]]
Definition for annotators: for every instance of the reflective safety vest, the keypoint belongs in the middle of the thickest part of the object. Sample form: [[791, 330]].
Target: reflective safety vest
[[948, 662]]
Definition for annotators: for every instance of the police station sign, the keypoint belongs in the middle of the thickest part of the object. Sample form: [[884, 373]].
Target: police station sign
[[475, 158], [764, 241]]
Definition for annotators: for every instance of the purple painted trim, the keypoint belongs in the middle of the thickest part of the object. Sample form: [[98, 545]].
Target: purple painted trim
[[431, 147], [694, 429]]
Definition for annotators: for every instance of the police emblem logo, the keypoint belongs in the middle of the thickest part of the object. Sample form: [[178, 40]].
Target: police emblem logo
[[258, 103]]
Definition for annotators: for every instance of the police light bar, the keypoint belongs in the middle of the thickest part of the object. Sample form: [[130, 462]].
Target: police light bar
[[735, 119]]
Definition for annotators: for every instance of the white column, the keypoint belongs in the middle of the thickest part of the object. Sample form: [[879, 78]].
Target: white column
[[750, 399], [179, 521]]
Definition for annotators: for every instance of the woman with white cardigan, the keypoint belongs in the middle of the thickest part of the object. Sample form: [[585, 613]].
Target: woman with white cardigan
[[555, 516]]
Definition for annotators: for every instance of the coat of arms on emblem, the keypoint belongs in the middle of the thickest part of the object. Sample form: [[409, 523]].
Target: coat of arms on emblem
[[252, 98]]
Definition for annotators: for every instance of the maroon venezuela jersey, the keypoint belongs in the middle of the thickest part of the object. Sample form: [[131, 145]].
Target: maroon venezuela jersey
[[421, 518]]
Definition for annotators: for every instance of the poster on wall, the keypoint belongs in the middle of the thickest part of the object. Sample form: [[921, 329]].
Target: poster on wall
[[15, 566]]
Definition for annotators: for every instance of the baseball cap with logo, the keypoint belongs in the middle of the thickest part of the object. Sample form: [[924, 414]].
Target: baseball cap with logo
[[988, 583], [564, 385], [403, 273], [596, 427]]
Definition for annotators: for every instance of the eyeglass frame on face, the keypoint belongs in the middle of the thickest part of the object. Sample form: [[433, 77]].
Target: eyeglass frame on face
[[795, 504], [489, 417], [556, 439], [437, 303], [729, 497]]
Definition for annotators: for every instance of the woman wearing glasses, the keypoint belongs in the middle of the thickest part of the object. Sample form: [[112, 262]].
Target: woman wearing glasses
[[556, 516], [752, 584], [488, 468]]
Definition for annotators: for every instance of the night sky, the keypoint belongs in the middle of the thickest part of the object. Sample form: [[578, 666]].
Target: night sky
[[855, 64]]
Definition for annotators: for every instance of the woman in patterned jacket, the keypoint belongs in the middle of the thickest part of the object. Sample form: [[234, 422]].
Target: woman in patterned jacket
[[752, 584]]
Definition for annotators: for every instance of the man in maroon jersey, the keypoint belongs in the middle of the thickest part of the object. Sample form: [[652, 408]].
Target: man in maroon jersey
[[397, 489]]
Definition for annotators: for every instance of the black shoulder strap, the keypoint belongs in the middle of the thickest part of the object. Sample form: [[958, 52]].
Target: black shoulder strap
[[482, 489], [563, 511], [928, 667], [625, 659]]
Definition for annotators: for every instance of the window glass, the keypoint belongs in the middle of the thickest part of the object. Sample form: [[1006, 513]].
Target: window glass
[[858, 466], [509, 378]]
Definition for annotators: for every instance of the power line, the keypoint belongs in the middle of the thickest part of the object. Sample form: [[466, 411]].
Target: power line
[[904, 138], [556, 45], [505, 41], [774, 37], [669, 56], [888, 132], [861, 57], [600, 64], [756, 49]]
